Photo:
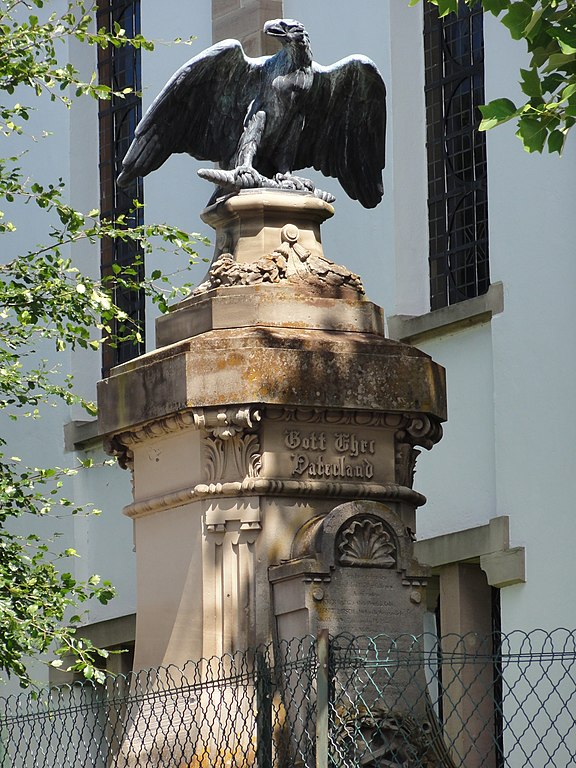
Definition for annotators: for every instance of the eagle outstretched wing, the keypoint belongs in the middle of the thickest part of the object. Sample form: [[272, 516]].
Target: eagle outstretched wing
[[345, 127], [200, 111]]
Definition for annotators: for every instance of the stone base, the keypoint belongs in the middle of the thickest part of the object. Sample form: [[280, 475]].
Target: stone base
[[248, 225], [268, 306]]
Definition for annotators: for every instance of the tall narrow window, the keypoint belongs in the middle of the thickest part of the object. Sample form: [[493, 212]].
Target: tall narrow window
[[120, 68], [457, 188]]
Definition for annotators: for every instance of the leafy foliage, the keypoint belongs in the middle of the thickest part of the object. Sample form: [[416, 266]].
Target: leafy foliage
[[549, 83], [45, 300]]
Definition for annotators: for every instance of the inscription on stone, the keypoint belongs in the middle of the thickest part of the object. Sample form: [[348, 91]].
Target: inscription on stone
[[330, 455], [317, 452]]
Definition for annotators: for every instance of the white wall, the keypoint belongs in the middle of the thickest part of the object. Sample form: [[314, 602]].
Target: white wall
[[508, 447], [457, 476], [533, 231]]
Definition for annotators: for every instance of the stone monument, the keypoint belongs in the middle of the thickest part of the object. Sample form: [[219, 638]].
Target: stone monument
[[273, 432], [272, 399]]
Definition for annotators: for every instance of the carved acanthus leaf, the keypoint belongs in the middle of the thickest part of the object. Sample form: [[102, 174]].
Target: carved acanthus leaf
[[214, 460], [233, 458], [405, 460]]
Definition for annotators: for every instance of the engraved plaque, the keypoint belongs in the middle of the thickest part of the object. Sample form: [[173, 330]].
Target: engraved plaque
[[328, 453]]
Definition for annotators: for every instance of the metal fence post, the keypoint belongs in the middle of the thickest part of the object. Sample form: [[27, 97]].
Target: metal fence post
[[322, 688], [263, 712]]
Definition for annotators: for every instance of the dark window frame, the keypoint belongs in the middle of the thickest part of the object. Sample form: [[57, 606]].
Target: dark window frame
[[456, 152], [120, 68]]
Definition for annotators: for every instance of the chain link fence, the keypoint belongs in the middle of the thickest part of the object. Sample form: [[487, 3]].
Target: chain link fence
[[316, 703]]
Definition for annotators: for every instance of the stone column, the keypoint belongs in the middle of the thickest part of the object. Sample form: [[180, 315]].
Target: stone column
[[468, 685], [272, 398]]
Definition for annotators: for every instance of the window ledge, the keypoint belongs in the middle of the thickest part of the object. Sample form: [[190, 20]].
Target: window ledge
[[487, 544], [414, 328], [78, 435]]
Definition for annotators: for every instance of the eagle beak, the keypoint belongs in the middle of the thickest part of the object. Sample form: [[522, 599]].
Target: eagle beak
[[274, 29]]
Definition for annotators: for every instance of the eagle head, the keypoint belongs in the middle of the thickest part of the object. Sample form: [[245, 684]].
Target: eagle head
[[287, 31]]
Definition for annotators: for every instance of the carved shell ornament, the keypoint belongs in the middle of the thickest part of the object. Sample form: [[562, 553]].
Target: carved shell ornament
[[366, 543]]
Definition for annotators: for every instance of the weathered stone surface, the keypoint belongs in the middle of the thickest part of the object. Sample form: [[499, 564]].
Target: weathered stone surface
[[272, 306], [353, 572], [273, 365]]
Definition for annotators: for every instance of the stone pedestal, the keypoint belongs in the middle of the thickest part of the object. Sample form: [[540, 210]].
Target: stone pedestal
[[273, 398]]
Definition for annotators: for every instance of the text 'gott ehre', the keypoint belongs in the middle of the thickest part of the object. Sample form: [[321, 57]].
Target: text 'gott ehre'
[[323, 455]]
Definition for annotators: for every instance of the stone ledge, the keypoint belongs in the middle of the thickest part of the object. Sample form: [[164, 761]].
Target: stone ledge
[[487, 544], [503, 569], [414, 328], [80, 434], [117, 633], [272, 366]]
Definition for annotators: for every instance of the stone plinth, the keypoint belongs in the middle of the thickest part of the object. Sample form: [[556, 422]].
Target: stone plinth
[[247, 225], [272, 398]]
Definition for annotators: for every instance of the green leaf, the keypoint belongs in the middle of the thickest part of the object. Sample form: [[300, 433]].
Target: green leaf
[[517, 18], [559, 61], [534, 25], [530, 83], [447, 6], [556, 141], [495, 6], [496, 112], [566, 37], [532, 133], [569, 91]]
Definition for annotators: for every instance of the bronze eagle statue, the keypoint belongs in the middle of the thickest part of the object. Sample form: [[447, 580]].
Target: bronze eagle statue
[[267, 117]]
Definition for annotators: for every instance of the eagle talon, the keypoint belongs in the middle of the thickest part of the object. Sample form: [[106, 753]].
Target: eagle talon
[[246, 176], [288, 181]]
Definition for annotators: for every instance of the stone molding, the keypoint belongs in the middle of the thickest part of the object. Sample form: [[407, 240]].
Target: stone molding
[[336, 416], [222, 423], [262, 486], [413, 429], [232, 460]]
